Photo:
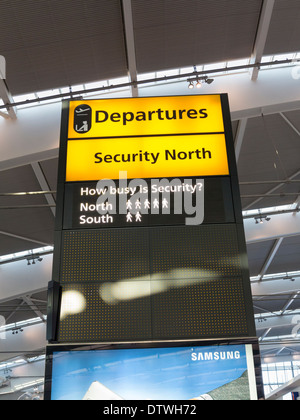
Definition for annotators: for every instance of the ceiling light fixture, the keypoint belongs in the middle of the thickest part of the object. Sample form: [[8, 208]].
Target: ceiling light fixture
[[34, 259], [16, 330], [261, 219], [199, 81], [287, 277]]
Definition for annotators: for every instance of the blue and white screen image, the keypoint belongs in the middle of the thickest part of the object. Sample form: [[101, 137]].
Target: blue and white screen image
[[181, 373]]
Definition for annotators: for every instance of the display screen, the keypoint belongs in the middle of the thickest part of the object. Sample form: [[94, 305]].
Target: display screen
[[127, 203], [184, 372]]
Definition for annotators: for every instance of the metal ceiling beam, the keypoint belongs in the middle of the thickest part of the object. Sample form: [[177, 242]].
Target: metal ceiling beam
[[295, 175], [130, 44], [262, 34], [296, 204], [239, 138], [264, 321], [270, 257], [289, 387], [280, 226], [290, 123], [269, 347], [12, 313], [33, 307], [4, 115], [44, 185], [23, 238], [29, 159], [165, 79], [21, 295], [258, 111], [265, 334], [7, 99], [260, 308], [289, 303]]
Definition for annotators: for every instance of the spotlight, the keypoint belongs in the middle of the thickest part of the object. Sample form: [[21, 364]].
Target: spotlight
[[259, 220], [17, 330], [262, 218], [288, 278], [34, 259], [199, 81]]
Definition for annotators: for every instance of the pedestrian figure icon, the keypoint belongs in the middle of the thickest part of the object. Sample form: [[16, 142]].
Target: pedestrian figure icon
[[138, 217], [138, 205], [128, 205], [147, 204], [165, 203], [156, 204], [129, 217]]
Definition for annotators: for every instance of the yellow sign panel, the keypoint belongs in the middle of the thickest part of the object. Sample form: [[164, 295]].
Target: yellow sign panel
[[147, 157], [145, 116]]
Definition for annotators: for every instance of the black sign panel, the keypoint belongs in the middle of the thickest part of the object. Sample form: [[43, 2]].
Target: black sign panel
[[155, 202]]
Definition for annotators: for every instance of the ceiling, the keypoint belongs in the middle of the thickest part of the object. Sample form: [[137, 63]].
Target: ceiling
[[55, 45], [58, 43]]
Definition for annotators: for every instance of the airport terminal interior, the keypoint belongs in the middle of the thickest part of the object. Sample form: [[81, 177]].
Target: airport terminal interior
[[52, 50]]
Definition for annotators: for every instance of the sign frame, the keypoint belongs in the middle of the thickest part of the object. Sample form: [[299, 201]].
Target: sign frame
[[237, 209]]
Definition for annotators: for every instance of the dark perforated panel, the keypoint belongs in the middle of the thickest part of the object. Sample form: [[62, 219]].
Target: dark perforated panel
[[185, 252], [107, 315], [159, 283], [200, 308], [188, 252], [99, 256]]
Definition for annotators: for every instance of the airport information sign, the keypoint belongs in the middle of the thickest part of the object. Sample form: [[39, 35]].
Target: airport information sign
[[149, 232], [142, 162]]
